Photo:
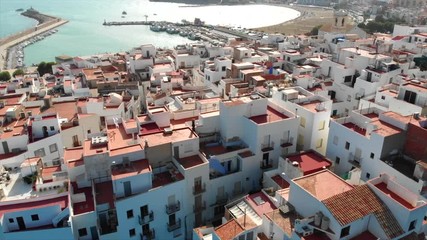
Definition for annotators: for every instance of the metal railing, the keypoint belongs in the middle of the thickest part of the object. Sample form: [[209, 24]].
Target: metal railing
[[146, 219], [199, 188], [175, 225], [174, 207]]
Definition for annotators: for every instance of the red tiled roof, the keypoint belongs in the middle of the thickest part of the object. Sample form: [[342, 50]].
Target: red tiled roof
[[359, 202], [229, 230]]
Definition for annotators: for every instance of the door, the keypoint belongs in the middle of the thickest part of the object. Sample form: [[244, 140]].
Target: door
[[45, 133], [198, 201], [21, 223], [265, 158], [329, 71], [5, 147], [237, 188], [334, 112], [128, 189], [76, 141], [172, 221], [332, 94], [369, 78], [94, 233], [176, 152]]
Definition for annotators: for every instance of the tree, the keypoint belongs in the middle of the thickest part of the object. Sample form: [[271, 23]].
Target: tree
[[315, 30], [41, 68], [4, 76], [18, 72]]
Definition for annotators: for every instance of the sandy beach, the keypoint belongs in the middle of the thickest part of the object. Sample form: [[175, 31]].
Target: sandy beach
[[310, 17]]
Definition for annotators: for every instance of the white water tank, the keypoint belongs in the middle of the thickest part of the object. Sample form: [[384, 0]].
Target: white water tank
[[116, 98], [318, 218], [325, 223]]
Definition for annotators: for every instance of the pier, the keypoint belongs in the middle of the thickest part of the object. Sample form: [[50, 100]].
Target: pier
[[46, 23]]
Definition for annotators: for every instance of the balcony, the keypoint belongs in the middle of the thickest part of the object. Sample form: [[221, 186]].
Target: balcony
[[199, 207], [221, 200], [265, 147], [355, 160], [199, 188], [264, 165], [174, 225], [173, 208], [286, 142], [146, 219], [150, 235], [238, 192]]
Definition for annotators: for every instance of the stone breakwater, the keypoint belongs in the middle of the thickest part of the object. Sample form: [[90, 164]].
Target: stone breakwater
[[45, 23]]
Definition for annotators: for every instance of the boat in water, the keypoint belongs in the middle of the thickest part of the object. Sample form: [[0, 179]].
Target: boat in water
[[124, 13], [20, 10]]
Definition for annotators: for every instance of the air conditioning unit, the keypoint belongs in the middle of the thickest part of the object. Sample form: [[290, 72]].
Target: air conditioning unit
[[168, 130]]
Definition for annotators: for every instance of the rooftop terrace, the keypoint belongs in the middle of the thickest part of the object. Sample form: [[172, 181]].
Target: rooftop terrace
[[134, 168], [323, 184], [191, 161], [271, 116]]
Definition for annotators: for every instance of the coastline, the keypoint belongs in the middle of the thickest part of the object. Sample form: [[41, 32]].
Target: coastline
[[311, 16], [45, 23]]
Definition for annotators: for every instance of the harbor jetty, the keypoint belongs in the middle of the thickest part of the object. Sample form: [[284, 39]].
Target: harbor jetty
[[45, 24]]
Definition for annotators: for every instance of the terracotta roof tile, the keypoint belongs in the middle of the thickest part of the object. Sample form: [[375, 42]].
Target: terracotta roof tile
[[229, 230], [361, 201]]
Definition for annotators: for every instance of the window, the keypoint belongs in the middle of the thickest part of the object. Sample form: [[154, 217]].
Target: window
[[250, 235], [372, 155], [132, 232], [347, 145], [368, 175], [383, 97], [242, 237], [88, 131], [335, 142], [53, 148], [35, 217], [82, 232], [11, 220], [319, 143], [322, 125], [302, 122], [223, 68], [345, 231], [412, 225], [52, 128], [40, 152], [129, 213], [337, 160]]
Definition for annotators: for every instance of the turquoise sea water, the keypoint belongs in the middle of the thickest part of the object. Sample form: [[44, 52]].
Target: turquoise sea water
[[85, 34]]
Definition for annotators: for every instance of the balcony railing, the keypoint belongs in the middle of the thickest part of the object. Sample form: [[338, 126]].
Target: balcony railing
[[199, 188], [173, 208], [238, 192], [199, 207], [174, 226], [286, 142], [355, 160], [150, 235], [265, 165], [221, 199], [267, 146], [146, 219]]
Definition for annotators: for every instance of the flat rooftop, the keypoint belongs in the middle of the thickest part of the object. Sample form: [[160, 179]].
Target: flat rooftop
[[134, 168], [383, 187], [86, 206], [165, 178], [117, 137], [90, 150], [191, 161], [260, 203], [311, 106], [323, 184], [271, 116], [177, 135], [62, 201], [280, 181], [104, 193], [284, 221], [310, 162]]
